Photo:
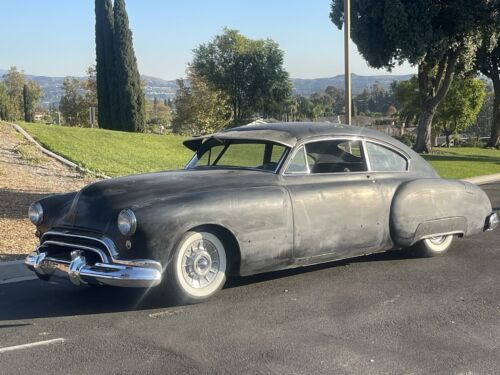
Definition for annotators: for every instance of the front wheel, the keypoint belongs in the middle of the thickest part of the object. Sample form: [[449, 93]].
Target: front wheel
[[198, 268], [433, 246]]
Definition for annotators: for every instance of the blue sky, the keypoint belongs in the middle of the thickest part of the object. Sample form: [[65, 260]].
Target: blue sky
[[56, 37]]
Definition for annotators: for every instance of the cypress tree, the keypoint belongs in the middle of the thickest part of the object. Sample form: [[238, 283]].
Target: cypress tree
[[128, 81], [106, 94], [29, 116]]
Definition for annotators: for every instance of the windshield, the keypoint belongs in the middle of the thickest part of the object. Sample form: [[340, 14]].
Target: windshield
[[246, 154]]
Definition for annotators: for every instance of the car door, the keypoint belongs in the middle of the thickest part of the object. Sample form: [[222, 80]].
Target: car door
[[337, 205]]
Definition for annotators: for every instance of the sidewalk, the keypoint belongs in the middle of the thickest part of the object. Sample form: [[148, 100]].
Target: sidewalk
[[483, 180]]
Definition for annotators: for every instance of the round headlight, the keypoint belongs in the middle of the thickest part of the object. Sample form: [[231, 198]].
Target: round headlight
[[35, 213], [127, 223]]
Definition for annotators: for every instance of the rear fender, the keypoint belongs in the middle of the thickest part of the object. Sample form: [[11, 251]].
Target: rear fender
[[429, 207]]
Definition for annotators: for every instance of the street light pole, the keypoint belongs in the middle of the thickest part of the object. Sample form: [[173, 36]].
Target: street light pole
[[347, 74]]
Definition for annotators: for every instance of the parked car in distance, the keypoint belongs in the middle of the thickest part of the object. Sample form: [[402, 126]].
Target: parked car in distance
[[254, 199]]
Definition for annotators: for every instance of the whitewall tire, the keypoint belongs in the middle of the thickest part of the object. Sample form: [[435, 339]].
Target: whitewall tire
[[198, 268], [434, 246]]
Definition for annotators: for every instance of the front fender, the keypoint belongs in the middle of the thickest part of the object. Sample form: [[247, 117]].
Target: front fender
[[259, 218], [56, 211]]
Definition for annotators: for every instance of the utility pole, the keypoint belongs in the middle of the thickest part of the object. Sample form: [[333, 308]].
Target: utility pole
[[92, 117], [347, 74]]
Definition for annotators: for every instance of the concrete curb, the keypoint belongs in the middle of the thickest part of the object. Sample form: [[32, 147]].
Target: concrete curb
[[481, 180], [59, 158]]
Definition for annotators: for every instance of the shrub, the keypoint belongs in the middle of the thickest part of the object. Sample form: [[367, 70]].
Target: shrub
[[408, 139], [473, 142]]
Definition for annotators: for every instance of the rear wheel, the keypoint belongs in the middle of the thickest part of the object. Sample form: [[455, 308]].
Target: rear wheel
[[433, 246], [198, 268]]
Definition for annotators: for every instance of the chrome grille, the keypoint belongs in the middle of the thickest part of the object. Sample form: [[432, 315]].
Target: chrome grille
[[59, 245]]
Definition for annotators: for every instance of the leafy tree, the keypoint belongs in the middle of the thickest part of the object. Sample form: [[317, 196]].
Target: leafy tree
[[407, 100], [89, 85], [390, 111], [77, 98], [128, 81], [488, 63], [53, 115], [74, 106], [376, 99], [199, 109], [158, 113], [32, 92], [14, 83], [249, 72], [482, 127], [331, 101], [4, 102], [459, 110], [105, 63], [306, 109], [362, 102], [441, 37]]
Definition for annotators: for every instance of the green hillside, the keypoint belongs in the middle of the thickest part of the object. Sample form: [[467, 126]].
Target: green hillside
[[118, 153]]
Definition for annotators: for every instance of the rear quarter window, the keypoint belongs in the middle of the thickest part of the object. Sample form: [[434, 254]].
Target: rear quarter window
[[383, 159]]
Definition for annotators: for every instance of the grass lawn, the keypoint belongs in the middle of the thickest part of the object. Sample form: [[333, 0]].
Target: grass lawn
[[111, 152], [463, 162], [118, 153]]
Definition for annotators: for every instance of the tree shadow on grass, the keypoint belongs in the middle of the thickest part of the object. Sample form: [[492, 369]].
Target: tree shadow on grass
[[465, 158], [14, 203]]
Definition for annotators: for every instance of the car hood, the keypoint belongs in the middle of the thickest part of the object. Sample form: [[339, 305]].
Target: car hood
[[96, 205]]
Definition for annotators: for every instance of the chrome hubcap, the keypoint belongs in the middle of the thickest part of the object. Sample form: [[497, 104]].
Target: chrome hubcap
[[200, 263], [437, 240]]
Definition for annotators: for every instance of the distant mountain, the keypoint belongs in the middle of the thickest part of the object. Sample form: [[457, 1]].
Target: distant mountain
[[52, 87], [166, 89], [308, 87]]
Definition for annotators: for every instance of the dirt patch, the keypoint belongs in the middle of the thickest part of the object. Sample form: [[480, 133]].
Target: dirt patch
[[25, 176]]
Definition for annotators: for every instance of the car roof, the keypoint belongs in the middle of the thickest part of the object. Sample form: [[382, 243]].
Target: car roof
[[290, 133]]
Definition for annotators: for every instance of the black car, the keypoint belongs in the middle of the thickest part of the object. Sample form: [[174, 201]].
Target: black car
[[253, 199]]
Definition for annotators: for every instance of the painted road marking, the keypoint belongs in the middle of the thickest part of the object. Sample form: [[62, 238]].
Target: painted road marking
[[11, 262], [166, 313], [18, 279], [31, 345]]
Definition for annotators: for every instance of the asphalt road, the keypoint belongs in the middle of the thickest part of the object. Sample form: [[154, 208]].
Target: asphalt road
[[383, 314]]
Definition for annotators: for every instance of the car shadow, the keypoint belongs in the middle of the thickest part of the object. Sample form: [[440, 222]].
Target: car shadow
[[268, 276], [38, 299]]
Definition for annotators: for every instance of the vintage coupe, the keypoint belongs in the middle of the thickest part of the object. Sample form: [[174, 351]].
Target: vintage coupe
[[253, 199]]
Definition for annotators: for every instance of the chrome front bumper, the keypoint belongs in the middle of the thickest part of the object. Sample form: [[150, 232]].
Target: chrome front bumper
[[138, 273]]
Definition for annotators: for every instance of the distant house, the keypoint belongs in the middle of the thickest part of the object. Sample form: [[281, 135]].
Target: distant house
[[382, 124], [39, 116]]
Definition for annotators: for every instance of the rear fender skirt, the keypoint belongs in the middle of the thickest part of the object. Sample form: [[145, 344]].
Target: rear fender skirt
[[426, 207], [434, 228]]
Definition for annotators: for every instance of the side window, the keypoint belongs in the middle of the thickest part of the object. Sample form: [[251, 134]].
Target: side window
[[298, 164], [248, 155], [383, 159], [277, 153], [336, 156], [210, 155]]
